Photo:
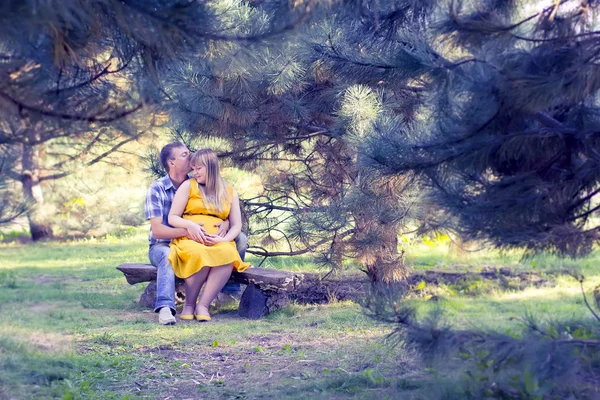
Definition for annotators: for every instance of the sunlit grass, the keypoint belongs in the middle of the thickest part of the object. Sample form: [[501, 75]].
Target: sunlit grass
[[70, 326], [442, 256], [503, 310]]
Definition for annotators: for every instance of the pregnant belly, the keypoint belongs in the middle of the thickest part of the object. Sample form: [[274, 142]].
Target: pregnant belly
[[208, 220]]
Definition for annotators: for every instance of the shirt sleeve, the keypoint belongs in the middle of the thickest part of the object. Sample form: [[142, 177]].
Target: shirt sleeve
[[153, 204]]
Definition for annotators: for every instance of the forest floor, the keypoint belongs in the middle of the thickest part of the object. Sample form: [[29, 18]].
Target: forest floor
[[70, 327]]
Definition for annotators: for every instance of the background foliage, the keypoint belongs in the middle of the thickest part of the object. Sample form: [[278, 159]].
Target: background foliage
[[362, 121]]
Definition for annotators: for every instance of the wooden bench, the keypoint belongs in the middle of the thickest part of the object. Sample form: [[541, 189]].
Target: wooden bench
[[267, 290]]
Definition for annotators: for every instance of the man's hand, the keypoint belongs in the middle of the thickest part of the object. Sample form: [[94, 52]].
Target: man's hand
[[211, 240], [223, 228], [197, 233]]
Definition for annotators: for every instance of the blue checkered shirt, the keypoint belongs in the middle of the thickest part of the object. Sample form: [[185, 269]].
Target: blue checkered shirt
[[158, 204]]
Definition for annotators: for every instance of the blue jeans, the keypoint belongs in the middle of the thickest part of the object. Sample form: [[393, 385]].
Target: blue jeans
[[165, 277], [241, 243]]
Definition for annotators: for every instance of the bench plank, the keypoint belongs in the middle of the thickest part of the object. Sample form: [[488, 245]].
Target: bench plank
[[267, 289], [265, 279], [137, 273], [268, 279]]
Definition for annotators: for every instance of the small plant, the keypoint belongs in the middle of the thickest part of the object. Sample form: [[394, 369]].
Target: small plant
[[106, 338], [287, 349], [8, 279]]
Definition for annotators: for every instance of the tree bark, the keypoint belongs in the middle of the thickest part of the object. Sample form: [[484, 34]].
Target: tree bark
[[39, 225], [389, 264], [383, 262], [377, 237]]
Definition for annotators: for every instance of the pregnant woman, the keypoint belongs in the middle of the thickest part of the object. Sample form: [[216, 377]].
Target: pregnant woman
[[202, 257]]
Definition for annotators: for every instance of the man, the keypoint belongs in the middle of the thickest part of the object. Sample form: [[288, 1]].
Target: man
[[174, 157]]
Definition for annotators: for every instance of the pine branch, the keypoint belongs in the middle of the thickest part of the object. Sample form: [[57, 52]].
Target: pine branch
[[104, 72], [498, 29], [275, 142], [262, 252], [83, 152], [587, 304], [96, 118], [262, 207], [191, 34], [94, 160]]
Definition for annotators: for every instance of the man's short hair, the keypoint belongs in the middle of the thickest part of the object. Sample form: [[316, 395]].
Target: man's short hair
[[166, 154]]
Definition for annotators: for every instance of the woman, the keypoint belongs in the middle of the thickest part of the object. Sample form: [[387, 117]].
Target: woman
[[203, 257]]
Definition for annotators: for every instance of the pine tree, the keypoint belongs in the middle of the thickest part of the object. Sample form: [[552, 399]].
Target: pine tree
[[78, 78], [506, 138], [504, 143], [297, 112]]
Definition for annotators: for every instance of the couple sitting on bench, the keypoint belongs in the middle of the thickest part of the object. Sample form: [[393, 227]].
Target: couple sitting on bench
[[195, 232]]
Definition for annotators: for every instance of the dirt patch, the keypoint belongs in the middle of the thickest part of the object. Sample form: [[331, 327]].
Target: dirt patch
[[314, 290], [500, 278], [41, 308], [50, 279], [266, 366], [51, 342]]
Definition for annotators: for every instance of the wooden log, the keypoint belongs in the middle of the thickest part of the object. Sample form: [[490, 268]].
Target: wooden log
[[267, 290], [256, 303], [265, 279], [268, 279], [148, 298], [136, 273], [253, 303]]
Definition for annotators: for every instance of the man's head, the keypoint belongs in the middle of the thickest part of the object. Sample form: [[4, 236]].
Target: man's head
[[175, 158]]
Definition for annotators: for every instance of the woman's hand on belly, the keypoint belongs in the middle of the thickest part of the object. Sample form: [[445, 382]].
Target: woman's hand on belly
[[223, 227], [211, 240], [208, 222], [197, 233]]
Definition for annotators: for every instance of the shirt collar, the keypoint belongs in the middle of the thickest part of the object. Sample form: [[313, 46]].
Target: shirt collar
[[167, 183]]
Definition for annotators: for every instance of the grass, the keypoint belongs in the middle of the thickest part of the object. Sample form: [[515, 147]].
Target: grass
[[443, 256], [70, 327]]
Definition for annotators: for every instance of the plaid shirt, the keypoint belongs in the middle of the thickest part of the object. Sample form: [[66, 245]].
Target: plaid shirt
[[158, 204]]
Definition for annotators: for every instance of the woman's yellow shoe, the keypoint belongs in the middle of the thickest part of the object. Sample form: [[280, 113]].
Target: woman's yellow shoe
[[186, 317], [201, 317]]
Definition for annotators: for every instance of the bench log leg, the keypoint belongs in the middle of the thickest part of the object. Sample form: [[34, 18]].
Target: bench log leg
[[256, 303], [148, 298]]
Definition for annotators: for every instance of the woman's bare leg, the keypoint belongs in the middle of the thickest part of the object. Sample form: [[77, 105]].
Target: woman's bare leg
[[217, 278], [192, 286]]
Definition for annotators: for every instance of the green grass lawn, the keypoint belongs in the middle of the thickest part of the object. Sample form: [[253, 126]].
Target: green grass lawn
[[70, 327]]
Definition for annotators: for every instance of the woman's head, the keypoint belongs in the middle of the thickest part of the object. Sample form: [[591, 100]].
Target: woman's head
[[205, 167]]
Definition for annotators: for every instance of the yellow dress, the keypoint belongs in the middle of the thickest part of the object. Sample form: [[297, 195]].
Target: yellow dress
[[188, 256]]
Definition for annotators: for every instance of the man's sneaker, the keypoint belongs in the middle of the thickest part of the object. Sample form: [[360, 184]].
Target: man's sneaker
[[165, 317]]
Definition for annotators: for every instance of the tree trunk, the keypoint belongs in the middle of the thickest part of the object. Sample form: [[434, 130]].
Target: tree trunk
[[39, 225], [389, 264], [377, 233], [383, 262]]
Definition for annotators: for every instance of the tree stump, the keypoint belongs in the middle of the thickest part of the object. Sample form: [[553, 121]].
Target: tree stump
[[256, 303], [148, 297]]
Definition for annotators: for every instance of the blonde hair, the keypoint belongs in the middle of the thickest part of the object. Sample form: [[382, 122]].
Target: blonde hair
[[214, 191]]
